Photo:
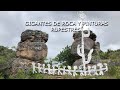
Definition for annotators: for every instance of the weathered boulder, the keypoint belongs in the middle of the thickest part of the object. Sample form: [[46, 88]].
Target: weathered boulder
[[32, 45], [34, 36], [89, 43], [97, 47], [21, 64], [78, 34], [35, 51], [31, 48]]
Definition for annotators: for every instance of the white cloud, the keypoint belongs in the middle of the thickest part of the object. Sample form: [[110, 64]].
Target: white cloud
[[112, 47], [12, 24]]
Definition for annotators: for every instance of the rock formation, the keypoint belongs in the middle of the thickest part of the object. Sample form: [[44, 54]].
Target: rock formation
[[89, 43], [31, 48], [32, 45]]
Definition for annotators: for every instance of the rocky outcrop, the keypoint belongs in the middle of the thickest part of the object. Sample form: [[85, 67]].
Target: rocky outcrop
[[31, 48], [89, 43], [21, 64], [32, 45]]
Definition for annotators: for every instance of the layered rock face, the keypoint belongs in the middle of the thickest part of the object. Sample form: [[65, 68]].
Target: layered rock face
[[31, 48], [89, 43], [32, 45]]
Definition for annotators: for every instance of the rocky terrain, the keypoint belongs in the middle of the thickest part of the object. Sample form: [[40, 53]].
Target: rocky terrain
[[89, 43], [31, 48]]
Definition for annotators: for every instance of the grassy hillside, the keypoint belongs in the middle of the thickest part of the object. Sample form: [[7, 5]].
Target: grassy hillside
[[112, 57]]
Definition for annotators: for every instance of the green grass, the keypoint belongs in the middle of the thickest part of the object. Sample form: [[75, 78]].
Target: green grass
[[106, 57], [113, 73]]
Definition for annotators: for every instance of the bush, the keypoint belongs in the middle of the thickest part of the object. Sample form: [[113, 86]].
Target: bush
[[6, 54], [65, 56]]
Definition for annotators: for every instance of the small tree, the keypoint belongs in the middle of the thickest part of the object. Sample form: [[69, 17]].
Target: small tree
[[65, 56]]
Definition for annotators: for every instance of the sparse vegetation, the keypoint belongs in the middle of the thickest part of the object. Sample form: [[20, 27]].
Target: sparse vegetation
[[111, 56]]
